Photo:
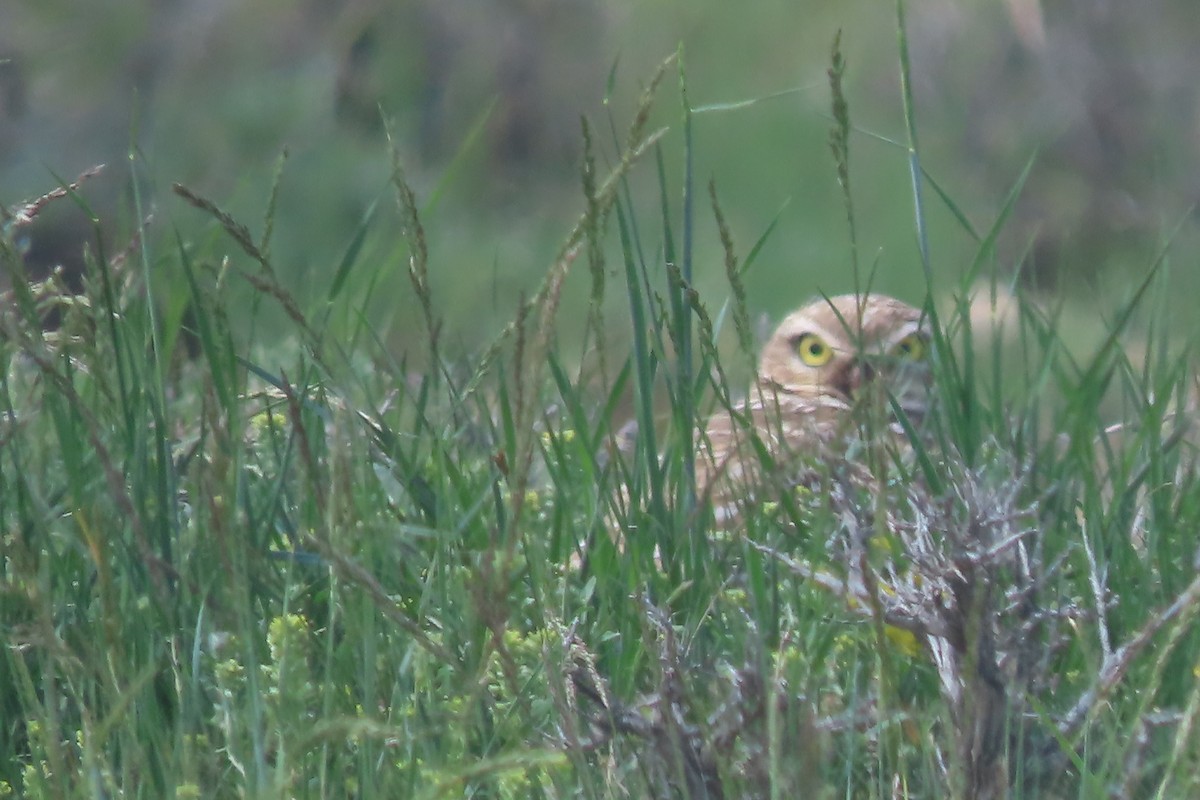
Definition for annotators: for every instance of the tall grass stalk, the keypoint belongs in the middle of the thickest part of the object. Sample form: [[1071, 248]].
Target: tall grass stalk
[[326, 568]]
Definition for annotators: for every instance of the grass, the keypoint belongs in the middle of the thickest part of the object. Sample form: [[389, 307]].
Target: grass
[[239, 563]]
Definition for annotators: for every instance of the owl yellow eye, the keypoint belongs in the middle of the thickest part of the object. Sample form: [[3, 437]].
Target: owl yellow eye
[[910, 348], [813, 351]]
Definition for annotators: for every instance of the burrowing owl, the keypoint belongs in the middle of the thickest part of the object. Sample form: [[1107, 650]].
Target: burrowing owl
[[828, 382]]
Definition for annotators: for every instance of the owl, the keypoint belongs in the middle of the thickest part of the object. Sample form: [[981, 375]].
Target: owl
[[829, 383], [842, 385]]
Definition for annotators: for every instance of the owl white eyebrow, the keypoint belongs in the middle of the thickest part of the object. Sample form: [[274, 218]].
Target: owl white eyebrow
[[902, 335], [884, 343]]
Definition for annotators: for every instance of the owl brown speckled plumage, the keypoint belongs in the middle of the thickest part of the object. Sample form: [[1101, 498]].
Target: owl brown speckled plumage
[[824, 410], [823, 393]]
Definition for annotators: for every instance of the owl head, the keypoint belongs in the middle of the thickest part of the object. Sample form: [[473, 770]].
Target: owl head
[[850, 349]]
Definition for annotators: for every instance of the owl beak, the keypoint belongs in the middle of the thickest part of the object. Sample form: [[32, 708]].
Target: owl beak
[[858, 375]]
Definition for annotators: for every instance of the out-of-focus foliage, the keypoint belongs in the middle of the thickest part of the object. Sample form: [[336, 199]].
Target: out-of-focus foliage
[[485, 98], [1104, 92]]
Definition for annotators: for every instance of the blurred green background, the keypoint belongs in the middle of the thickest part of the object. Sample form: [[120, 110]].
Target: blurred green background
[[1102, 94]]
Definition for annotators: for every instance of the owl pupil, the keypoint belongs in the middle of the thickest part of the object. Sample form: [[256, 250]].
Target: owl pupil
[[814, 349]]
